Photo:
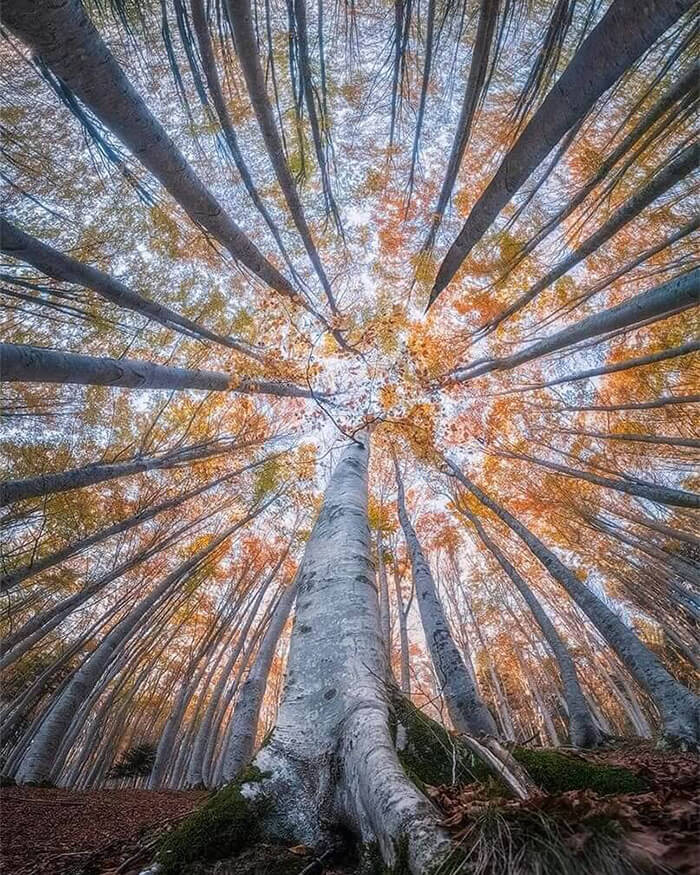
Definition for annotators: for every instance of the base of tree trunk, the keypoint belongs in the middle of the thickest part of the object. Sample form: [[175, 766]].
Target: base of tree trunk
[[312, 803]]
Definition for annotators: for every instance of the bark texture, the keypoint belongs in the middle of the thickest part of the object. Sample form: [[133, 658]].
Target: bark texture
[[679, 708], [466, 708], [331, 755]]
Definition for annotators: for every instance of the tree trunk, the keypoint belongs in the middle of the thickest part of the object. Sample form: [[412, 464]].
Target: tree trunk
[[485, 29], [37, 764], [671, 297], [683, 165], [66, 40], [16, 243], [582, 728], [330, 758], [625, 32], [467, 709], [680, 709], [240, 744], [36, 364], [241, 17], [18, 575], [642, 489], [664, 355], [384, 606], [403, 637], [89, 475], [206, 51]]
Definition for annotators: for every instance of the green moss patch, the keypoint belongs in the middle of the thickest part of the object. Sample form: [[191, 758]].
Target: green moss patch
[[435, 756], [221, 828]]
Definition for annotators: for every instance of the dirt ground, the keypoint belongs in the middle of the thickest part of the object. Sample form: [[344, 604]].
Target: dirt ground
[[114, 832]]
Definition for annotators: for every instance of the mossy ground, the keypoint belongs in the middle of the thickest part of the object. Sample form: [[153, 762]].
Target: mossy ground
[[225, 825], [434, 756]]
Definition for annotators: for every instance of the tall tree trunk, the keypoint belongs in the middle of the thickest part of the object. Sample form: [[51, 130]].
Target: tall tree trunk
[[625, 32], [582, 728], [37, 764], [89, 475], [403, 637], [641, 488], [35, 364], [680, 709], [384, 606], [488, 18], [18, 575], [66, 40], [333, 720], [660, 302], [240, 744], [241, 17], [53, 263], [206, 51], [685, 163], [663, 355], [466, 708]]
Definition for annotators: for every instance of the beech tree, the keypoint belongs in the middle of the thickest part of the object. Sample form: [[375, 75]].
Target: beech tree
[[225, 245]]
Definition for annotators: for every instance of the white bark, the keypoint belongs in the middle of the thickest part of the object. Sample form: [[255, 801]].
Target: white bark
[[467, 710], [331, 756], [243, 727]]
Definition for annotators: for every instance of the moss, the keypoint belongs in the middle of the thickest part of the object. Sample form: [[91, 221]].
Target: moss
[[556, 772], [221, 828], [435, 756]]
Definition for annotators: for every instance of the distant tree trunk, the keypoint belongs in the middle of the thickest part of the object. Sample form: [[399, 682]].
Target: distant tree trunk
[[333, 718], [18, 575], [680, 709], [642, 489], [66, 40], [89, 475], [671, 297], [55, 264], [37, 764], [582, 728], [384, 606], [240, 744], [403, 637], [625, 32], [466, 708], [686, 162], [663, 355], [188, 686]]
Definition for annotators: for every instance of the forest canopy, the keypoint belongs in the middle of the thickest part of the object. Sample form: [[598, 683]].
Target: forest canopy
[[350, 366]]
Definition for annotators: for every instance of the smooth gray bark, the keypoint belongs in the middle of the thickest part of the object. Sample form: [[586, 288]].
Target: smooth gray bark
[[582, 728], [18, 244], [680, 709], [38, 762], [34, 364], [670, 297], [466, 708], [240, 745], [626, 31], [63, 35], [331, 750], [88, 475]]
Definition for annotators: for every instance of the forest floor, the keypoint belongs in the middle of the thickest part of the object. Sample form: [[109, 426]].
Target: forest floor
[[114, 832]]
